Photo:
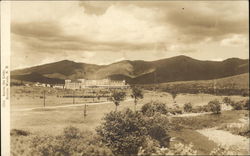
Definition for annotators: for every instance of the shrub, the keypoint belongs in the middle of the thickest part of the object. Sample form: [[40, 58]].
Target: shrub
[[226, 150], [177, 149], [175, 110], [188, 107], [18, 132], [236, 128], [72, 142], [157, 128], [123, 132], [215, 106], [227, 100], [238, 105], [149, 109], [247, 105], [71, 132]]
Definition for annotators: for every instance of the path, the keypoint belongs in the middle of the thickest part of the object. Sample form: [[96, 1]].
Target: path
[[225, 138], [65, 106]]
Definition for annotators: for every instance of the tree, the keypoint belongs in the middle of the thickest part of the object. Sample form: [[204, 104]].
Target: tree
[[136, 95], [227, 100], [215, 106], [174, 94], [188, 107], [117, 97]]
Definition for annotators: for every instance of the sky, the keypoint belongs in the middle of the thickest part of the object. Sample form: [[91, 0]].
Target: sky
[[100, 32]]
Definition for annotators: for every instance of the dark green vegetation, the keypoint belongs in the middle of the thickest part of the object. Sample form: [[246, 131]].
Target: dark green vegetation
[[234, 85], [117, 98], [239, 105], [136, 95], [180, 68]]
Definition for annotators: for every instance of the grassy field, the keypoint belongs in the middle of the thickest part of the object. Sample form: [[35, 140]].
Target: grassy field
[[51, 121]]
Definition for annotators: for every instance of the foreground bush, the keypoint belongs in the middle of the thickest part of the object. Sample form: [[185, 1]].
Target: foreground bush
[[177, 149], [157, 128], [225, 150], [71, 143], [149, 109], [123, 132]]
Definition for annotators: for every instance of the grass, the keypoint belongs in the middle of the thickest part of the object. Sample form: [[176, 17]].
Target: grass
[[208, 120], [200, 142], [52, 121]]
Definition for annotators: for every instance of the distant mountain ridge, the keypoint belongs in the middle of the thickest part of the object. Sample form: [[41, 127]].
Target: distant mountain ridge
[[179, 68]]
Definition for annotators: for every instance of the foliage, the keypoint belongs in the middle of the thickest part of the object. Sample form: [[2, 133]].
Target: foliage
[[149, 109], [136, 95], [188, 107], [215, 106], [247, 104], [240, 105], [236, 128], [117, 97], [173, 93], [227, 100], [225, 150], [177, 149], [123, 132], [157, 127], [71, 142], [18, 132]]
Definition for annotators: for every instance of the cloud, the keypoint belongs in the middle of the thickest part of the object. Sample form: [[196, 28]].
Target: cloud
[[97, 29], [235, 41]]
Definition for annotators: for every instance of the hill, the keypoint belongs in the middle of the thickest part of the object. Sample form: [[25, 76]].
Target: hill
[[179, 68]]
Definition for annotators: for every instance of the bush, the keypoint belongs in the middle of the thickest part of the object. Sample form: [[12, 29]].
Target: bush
[[227, 100], [71, 133], [175, 110], [72, 142], [18, 132], [236, 128], [177, 149], [188, 107], [123, 132], [226, 150], [149, 109], [157, 128], [247, 105], [240, 105], [215, 106]]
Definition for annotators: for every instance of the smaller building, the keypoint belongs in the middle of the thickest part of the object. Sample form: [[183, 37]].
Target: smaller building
[[58, 86]]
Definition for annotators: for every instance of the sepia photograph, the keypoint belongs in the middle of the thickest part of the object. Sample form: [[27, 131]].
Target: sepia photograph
[[125, 78]]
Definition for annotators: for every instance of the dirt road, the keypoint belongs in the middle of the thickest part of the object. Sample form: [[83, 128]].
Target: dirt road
[[65, 106]]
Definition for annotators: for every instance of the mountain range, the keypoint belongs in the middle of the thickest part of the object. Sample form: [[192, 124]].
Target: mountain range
[[179, 68]]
